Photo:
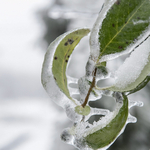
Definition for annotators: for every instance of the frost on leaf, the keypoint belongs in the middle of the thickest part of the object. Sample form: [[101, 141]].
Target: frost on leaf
[[54, 77], [101, 134], [121, 27], [134, 70]]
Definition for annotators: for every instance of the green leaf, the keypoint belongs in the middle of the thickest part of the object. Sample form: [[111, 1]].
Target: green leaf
[[140, 86], [111, 131], [82, 110], [62, 55], [124, 27]]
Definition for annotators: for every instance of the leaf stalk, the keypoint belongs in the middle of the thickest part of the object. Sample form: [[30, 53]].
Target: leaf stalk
[[90, 89]]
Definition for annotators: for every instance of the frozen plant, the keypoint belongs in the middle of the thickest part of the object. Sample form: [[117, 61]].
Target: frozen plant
[[121, 27]]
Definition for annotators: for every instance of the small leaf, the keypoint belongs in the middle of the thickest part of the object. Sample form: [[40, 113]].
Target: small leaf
[[107, 135], [125, 26], [82, 110], [62, 55]]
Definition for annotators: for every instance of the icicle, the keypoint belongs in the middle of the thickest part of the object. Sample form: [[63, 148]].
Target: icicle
[[135, 103]]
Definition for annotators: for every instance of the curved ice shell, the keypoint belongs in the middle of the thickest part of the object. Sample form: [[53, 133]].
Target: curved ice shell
[[49, 83]]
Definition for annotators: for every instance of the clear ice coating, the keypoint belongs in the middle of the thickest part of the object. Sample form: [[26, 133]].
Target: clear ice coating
[[130, 48], [81, 133], [94, 37], [50, 85], [78, 133]]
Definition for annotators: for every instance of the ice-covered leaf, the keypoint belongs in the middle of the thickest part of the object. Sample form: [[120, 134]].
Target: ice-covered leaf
[[108, 134], [62, 55], [140, 86], [101, 134], [132, 73], [51, 79], [124, 27]]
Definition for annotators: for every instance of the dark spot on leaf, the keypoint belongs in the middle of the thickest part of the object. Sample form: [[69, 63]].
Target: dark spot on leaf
[[66, 44], [70, 41], [127, 42], [113, 25], [120, 47], [55, 78], [125, 22], [55, 58], [76, 39], [117, 2], [138, 18], [66, 61], [68, 56]]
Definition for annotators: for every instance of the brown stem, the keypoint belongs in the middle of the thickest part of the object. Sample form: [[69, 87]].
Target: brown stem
[[90, 89]]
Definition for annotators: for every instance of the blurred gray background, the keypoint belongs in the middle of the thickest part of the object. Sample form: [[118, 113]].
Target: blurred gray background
[[29, 119]]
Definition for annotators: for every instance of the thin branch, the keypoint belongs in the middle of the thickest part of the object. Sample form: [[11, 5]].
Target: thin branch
[[90, 89]]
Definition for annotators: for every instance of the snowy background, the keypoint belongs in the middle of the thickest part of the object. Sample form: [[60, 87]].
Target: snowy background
[[29, 119]]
